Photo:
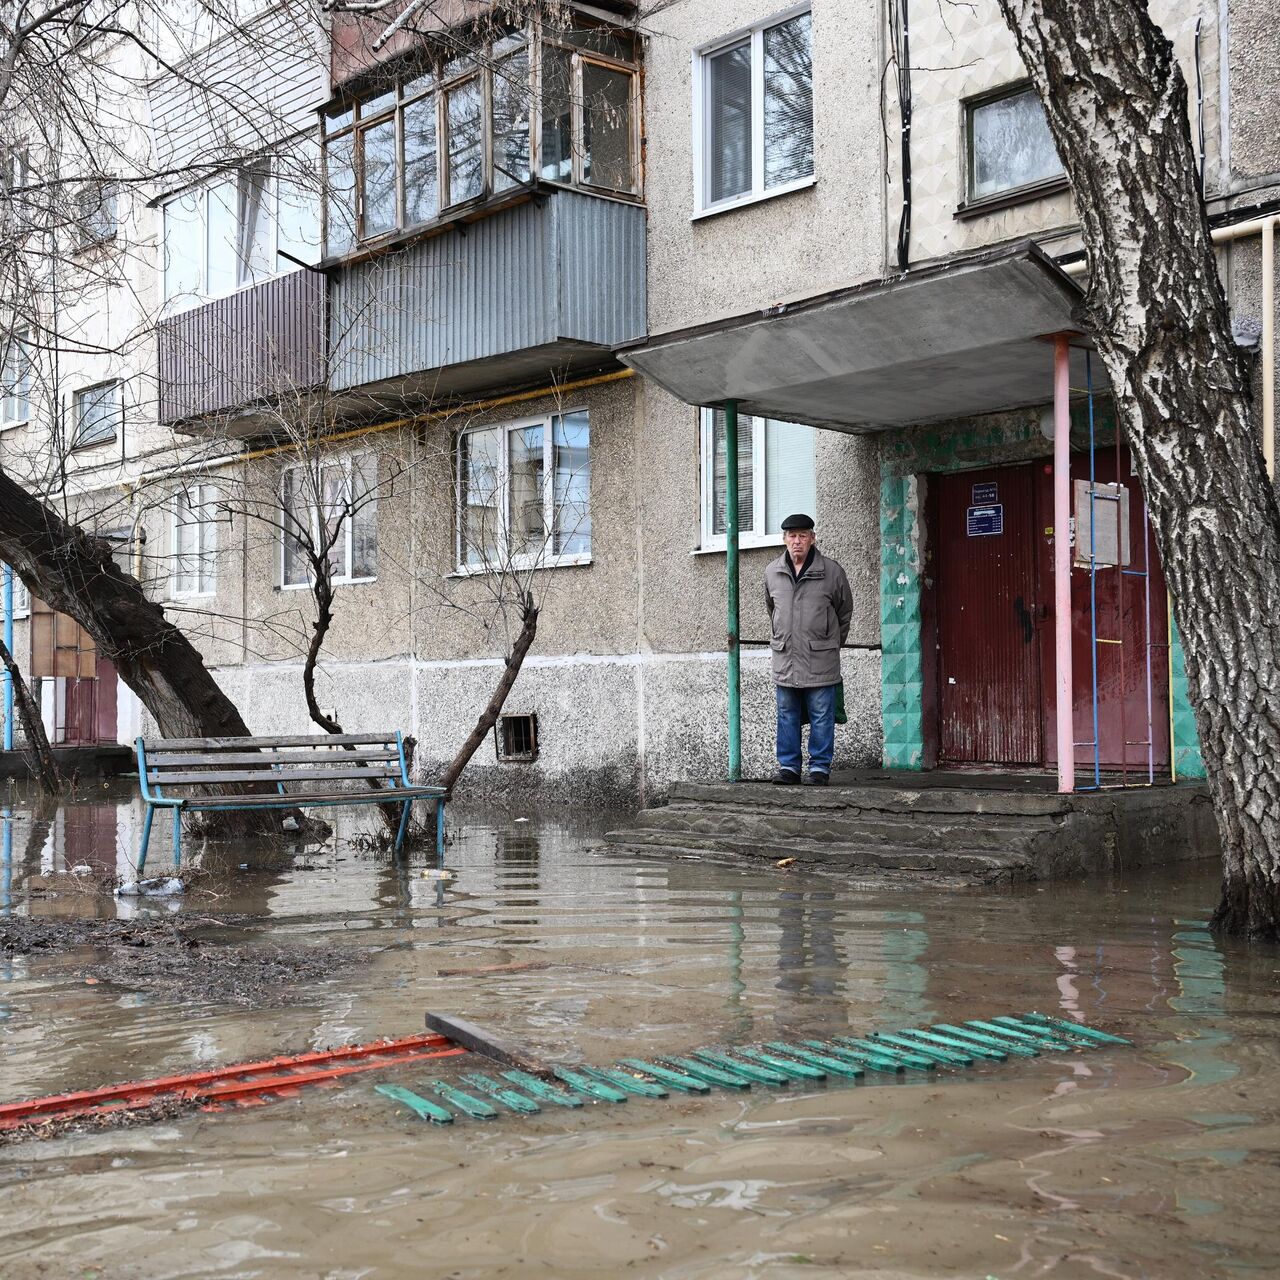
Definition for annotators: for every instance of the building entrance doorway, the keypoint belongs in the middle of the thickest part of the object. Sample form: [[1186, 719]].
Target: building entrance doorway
[[84, 684], [989, 611]]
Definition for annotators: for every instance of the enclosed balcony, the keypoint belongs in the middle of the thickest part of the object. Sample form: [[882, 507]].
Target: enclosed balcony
[[555, 281]]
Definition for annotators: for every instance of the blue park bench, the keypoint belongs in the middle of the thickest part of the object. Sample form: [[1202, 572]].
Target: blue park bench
[[220, 775]]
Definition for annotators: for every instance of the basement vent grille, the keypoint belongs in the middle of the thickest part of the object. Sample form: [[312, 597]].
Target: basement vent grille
[[516, 738]]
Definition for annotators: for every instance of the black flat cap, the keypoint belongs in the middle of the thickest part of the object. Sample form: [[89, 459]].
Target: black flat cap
[[798, 522]]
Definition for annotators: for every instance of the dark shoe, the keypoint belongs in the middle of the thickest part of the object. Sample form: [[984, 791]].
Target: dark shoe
[[818, 779], [785, 778]]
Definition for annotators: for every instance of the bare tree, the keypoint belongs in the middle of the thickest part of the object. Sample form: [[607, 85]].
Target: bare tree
[[1117, 106]]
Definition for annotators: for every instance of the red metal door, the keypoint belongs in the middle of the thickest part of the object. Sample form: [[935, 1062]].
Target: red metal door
[[1132, 676], [989, 686]]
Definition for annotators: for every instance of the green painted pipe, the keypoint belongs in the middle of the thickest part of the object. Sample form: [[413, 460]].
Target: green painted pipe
[[731, 574], [476, 1108], [918, 1062], [592, 1087], [932, 1038], [753, 1071], [867, 1060], [712, 1075], [792, 1067], [627, 1082], [1089, 1033], [1041, 1038], [541, 1089], [969, 1035], [420, 1107], [665, 1075], [495, 1089], [824, 1061], [944, 1056]]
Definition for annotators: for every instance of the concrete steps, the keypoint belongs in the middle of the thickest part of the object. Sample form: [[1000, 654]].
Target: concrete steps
[[979, 836]]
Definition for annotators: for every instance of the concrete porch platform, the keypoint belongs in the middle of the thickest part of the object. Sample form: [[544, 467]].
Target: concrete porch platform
[[958, 827]]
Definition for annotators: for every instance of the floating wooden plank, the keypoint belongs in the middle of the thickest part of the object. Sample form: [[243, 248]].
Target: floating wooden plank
[[486, 1043]]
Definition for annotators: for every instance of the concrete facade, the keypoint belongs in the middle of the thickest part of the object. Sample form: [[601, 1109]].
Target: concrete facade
[[627, 676]]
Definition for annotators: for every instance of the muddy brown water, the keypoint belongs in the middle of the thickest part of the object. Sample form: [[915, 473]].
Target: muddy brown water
[[1160, 1160]]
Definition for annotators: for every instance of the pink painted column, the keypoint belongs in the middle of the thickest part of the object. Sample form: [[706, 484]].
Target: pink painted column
[[1062, 561]]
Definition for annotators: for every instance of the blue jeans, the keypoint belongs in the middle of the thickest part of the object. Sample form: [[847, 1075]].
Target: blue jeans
[[820, 706]]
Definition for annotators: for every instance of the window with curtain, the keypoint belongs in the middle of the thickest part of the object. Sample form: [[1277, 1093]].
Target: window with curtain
[[95, 414], [756, 95], [524, 493], [776, 477], [195, 541], [1009, 143]]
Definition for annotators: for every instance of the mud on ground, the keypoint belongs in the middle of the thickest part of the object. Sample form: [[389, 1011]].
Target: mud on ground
[[180, 958]]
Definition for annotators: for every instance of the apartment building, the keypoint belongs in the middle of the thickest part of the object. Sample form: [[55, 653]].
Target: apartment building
[[477, 292]]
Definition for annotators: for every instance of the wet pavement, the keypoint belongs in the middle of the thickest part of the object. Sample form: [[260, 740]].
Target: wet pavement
[[1161, 1160]]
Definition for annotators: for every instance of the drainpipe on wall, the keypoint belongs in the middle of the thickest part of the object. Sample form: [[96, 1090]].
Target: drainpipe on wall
[[1269, 344], [8, 644], [1062, 561], [731, 572]]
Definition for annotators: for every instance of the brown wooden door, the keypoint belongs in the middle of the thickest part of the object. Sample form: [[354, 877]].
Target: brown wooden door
[[989, 691]]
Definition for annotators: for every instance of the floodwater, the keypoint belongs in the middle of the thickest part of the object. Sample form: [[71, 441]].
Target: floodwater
[[1160, 1160]]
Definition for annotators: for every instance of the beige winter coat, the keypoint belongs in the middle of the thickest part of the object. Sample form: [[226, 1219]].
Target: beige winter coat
[[810, 621]]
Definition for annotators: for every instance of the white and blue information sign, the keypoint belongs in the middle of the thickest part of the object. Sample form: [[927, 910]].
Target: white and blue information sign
[[984, 521]]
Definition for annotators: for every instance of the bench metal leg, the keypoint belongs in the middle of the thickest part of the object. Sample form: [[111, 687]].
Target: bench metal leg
[[406, 809], [146, 839], [177, 838], [440, 831]]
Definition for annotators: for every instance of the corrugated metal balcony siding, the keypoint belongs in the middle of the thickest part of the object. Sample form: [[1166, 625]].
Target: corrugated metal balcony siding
[[246, 347], [569, 267]]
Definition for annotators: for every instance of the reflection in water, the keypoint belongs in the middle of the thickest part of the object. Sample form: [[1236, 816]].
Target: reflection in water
[[1197, 969], [1063, 1164]]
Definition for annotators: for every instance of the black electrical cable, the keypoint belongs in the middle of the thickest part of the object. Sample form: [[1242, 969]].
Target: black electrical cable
[[1200, 104], [900, 37]]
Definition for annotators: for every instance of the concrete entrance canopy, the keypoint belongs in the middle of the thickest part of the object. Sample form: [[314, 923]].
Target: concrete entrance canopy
[[980, 333], [962, 338]]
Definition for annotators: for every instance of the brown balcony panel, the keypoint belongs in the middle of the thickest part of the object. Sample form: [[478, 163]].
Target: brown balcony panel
[[244, 349]]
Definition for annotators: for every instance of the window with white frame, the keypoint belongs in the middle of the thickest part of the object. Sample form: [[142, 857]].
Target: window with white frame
[[98, 213], [15, 382], [776, 477], [21, 596], [195, 541], [753, 108], [471, 128], [330, 508], [95, 415], [524, 493], [239, 230], [1008, 143]]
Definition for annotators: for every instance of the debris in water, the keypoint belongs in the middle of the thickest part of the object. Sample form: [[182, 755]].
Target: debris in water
[[784, 862], [154, 887]]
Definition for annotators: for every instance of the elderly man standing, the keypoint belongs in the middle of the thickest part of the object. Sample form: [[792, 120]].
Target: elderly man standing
[[809, 603]]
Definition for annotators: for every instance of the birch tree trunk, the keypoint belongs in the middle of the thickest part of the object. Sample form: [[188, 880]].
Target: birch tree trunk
[[1117, 105], [75, 574]]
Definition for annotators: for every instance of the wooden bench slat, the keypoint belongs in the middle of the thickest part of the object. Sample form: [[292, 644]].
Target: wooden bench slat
[[216, 777], [241, 744], [302, 798], [320, 759]]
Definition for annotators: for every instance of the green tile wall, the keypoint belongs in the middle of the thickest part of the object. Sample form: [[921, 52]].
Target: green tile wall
[[1187, 759], [901, 672]]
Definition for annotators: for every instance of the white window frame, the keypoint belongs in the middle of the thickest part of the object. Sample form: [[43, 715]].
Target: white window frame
[[701, 118], [539, 560], [283, 266], [199, 499], [343, 579], [75, 442], [710, 541], [21, 341], [21, 596]]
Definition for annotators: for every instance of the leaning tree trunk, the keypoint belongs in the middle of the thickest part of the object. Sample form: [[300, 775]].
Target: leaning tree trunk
[[1117, 105], [489, 716], [75, 574], [43, 764]]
